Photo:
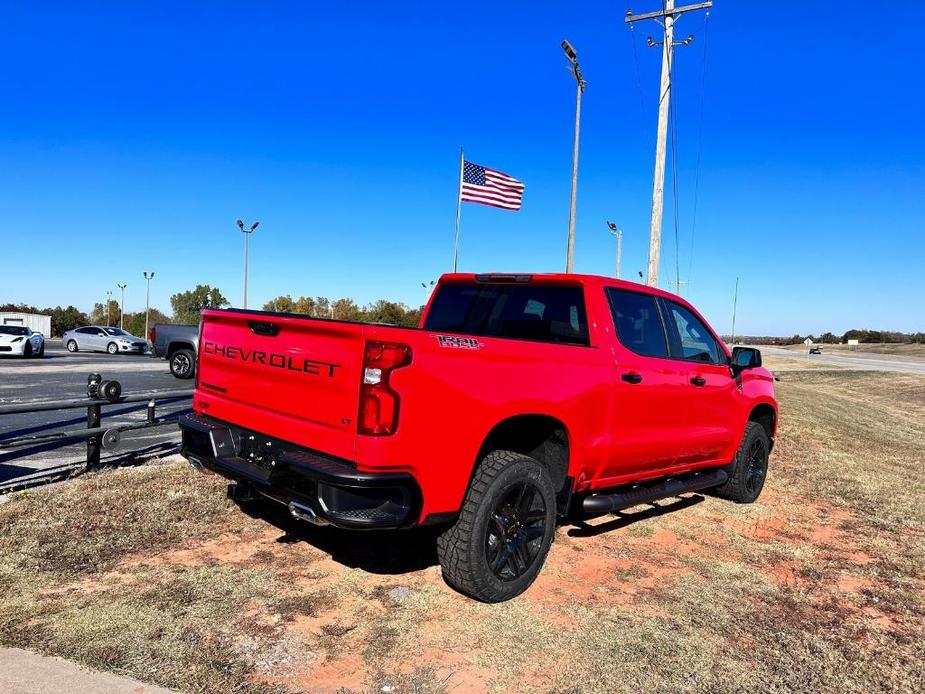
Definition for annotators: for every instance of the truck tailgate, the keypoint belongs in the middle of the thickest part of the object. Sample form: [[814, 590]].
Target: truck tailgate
[[289, 377]]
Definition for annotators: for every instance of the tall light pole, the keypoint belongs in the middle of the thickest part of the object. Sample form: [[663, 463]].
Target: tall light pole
[[619, 234], [580, 80], [122, 307], [148, 279], [108, 301], [666, 17], [247, 233]]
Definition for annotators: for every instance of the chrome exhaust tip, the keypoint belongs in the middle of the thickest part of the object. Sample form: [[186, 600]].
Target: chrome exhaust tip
[[305, 513]]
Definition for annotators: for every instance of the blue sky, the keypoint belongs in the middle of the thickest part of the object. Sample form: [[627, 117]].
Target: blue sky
[[132, 135]]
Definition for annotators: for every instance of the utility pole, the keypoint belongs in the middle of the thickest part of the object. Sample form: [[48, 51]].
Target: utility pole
[[619, 234], [666, 17], [247, 233], [148, 279], [122, 307], [580, 80], [108, 301], [735, 300]]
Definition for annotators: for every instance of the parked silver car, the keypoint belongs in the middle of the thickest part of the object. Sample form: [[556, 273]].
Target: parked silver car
[[96, 338]]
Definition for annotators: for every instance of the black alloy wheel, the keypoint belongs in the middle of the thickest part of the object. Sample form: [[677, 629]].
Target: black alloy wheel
[[756, 460], [515, 531]]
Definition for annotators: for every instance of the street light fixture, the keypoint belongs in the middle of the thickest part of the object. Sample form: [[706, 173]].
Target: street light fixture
[[428, 288], [108, 300], [148, 279], [247, 233], [619, 234], [122, 307], [574, 68]]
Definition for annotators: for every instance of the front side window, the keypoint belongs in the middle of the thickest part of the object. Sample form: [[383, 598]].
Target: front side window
[[538, 312], [695, 341], [638, 322]]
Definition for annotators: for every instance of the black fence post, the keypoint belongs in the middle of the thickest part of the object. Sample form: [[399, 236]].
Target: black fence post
[[93, 422]]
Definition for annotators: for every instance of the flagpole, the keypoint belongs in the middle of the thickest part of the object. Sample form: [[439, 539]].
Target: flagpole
[[458, 209]]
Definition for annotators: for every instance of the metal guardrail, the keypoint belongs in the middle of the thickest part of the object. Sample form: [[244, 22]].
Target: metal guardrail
[[100, 393]]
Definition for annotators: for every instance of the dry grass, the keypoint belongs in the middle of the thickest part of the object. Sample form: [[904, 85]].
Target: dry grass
[[819, 586]]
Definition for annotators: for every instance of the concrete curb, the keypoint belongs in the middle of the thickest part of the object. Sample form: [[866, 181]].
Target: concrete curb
[[25, 672]]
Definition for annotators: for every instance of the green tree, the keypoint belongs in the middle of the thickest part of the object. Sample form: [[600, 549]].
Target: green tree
[[306, 306], [135, 322], [19, 308], [188, 306], [98, 316], [64, 319], [281, 304], [346, 309], [383, 311]]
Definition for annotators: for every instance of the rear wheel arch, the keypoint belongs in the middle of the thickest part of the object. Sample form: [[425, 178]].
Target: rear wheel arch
[[177, 345], [541, 437]]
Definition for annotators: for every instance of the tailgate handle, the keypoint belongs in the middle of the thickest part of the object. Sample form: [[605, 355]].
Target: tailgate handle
[[259, 327]]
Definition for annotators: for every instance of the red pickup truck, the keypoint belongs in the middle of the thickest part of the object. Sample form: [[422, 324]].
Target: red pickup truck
[[519, 398]]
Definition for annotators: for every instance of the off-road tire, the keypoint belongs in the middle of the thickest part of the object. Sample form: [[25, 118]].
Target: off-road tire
[[72, 346], [740, 488], [463, 547], [112, 348], [178, 368]]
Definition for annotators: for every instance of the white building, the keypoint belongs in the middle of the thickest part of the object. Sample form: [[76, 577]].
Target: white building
[[35, 321]]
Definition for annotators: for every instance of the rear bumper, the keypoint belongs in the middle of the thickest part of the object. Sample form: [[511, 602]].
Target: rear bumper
[[316, 487]]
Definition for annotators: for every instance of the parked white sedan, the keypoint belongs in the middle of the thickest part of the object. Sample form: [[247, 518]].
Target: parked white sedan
[[20, 341]]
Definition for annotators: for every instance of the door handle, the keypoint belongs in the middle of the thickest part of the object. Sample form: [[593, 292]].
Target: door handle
[[631, 377], [698, 381]]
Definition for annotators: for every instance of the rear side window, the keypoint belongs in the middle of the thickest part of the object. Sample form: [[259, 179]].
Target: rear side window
[[638, 322], [694, 340], [542, 313]]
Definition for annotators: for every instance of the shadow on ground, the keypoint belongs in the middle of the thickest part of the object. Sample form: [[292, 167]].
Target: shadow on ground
[[390, 552]]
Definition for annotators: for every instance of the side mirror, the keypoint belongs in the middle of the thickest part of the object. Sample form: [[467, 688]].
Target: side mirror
[[744, 358]]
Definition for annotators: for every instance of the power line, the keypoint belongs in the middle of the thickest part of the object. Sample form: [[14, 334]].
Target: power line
[[703, 81], [642, 110]]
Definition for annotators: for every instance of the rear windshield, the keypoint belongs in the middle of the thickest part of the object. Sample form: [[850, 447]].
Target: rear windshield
[[543, 313]]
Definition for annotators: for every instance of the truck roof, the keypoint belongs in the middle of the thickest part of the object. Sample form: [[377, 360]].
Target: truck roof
[[555, 278]]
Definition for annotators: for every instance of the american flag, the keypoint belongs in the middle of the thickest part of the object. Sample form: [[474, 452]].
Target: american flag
[[489, 187]]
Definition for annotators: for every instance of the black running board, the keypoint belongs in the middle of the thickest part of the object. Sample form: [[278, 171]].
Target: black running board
[[643, 494]]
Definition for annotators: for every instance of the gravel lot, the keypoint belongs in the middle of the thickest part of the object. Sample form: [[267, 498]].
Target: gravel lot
[[63, 375]]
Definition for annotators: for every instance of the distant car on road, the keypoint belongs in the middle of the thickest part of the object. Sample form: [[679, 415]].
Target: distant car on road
[[20, 341], [98, 338], [815, 350], [178, 344]]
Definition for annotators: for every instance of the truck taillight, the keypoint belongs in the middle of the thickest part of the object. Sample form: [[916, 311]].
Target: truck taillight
[[152, 333], [378, 402]]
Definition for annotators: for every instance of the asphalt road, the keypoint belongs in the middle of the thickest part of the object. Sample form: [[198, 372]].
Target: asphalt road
[[61, 375], [862, 361]]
